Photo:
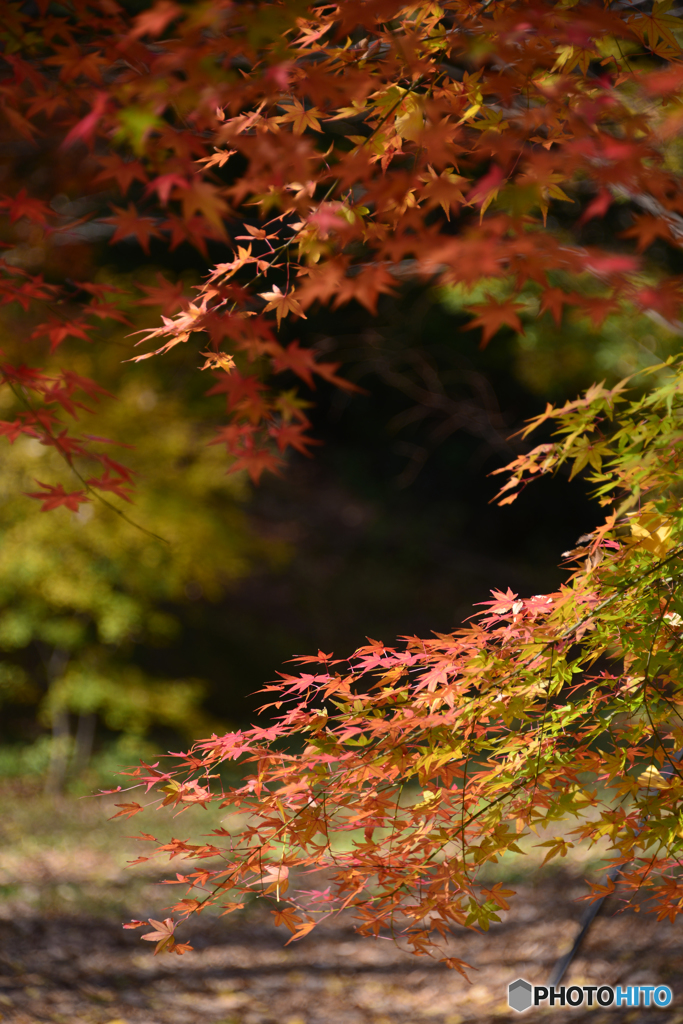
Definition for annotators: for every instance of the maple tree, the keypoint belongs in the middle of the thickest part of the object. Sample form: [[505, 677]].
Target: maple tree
[[318, 155]]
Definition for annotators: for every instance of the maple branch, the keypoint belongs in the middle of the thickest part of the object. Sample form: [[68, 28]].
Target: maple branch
[[24, 400]]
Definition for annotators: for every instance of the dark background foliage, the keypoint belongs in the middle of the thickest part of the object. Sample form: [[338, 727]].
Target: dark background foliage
[[391, 526]]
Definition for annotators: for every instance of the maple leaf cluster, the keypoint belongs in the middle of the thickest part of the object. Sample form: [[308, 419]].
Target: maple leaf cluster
[[319, 155], [330, 153], [397, 774], [43, 397]]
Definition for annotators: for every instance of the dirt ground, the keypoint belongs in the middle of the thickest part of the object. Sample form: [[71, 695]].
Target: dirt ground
[[84, 970], [65, 958]]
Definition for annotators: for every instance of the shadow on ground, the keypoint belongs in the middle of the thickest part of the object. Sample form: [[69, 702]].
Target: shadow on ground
[[81, 969], [66, 888]]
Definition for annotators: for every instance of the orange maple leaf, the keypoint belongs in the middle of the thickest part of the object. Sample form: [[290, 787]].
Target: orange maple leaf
[[127, 811], [164, 937], [301, 931], [458, 965], [657, 29], [443, 190], [186, 906], [282, 303], [288, 917], [301, 118]]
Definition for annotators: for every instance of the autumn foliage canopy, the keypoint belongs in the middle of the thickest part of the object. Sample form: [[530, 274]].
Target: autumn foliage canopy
[[321, 154]]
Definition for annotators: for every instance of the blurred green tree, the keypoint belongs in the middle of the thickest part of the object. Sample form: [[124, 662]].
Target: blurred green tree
[[82, 591]]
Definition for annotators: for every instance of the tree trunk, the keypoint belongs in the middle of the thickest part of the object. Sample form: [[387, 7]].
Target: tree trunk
[[59, 755], [61, 737], [85, 737]]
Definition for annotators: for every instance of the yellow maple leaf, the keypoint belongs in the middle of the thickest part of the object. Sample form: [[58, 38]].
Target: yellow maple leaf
[[652, 778], [653, 533], [218, 361]]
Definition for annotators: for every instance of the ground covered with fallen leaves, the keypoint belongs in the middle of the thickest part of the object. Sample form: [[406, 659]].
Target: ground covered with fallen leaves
[[65, 958]]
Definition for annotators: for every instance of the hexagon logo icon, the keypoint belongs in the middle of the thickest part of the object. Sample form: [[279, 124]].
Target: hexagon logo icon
[[519, 995]]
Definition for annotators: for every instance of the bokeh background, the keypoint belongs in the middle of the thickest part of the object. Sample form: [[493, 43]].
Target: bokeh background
[[116, 644]]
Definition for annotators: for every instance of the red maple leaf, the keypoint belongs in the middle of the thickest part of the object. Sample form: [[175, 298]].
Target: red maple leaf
[[194, 231], [237, 388], [68, 446], [608, 264], [204, 198], [292, 435], [24, 205], [26, 376], [235, 437], [84, 130], [164, 184], [63, 396], [487, 188], [12, 429], [25, 128], [107, 482], [154, 21], [647, 229], [597, 207], [107, 311], [57, 330], [165, 294], [124, 172], [328, 372], [553, 302], [300, 361], [665, 297], [256, 461], [365, 287], [493, 316], [109, 463], [90, 387], [598, 309], [129, 224], [54, 496]]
